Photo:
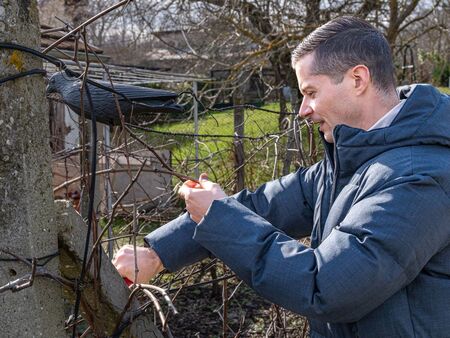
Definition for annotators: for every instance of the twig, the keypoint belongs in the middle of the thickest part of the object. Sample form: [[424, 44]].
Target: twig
[[84, 24], [225, 305], [107, 171], [158, 308], [116, 332], [98, 241], [86, 332], [163, 293], [193, 272], [160, 159], [202, 283]]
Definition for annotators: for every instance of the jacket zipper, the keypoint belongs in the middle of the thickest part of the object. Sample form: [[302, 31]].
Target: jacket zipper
[[335, 176]]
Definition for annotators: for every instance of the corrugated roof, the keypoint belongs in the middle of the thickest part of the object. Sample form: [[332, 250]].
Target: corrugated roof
[[52, 34], [127, 74]]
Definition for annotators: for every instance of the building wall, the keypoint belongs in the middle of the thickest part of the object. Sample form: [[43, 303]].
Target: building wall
[[151, 187]]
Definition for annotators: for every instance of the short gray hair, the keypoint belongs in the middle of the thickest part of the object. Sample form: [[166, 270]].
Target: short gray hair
[[345, 42]]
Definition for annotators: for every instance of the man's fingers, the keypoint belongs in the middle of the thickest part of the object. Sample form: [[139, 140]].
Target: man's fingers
[[184, 192], [191, 184], [204, 181], [149, 263], [122, 251], [208, 185], [203, 177]]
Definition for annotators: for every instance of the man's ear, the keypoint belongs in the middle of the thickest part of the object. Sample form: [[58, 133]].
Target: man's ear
[[361, 78]]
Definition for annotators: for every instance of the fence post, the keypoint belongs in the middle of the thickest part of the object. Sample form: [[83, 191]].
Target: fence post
[[195, 90], [106, 179], [239, 155], [295, 102]]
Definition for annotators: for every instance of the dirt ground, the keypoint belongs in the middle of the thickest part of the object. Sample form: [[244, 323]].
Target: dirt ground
[[248, 315]]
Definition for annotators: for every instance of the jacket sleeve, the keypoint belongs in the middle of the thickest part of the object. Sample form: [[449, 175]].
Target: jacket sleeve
[[174, 244], [286, 202], [380, 246]]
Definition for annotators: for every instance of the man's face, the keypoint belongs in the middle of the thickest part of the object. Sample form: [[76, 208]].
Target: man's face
[[324, 101]]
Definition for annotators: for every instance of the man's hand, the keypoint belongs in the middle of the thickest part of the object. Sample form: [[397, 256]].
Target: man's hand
[[199, 196], [148, 263]]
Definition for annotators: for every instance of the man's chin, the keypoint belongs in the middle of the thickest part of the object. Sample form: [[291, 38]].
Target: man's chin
[[328, 137], [327, 134]]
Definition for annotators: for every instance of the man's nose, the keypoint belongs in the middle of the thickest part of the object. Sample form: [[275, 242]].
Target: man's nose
[[305, 109]]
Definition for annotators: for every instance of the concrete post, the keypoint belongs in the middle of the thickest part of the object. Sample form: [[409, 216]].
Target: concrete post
[[102, 301], [27, 222]]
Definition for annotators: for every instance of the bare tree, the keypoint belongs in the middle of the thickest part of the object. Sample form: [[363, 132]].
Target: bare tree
[[77, 10]]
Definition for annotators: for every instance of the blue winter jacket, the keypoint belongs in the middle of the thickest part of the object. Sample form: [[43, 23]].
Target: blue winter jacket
[[378, 212]]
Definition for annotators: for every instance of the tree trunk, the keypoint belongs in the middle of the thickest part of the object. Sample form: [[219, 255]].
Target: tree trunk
[[27, 217]]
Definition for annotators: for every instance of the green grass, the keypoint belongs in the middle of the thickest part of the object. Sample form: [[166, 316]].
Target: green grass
[[221, 123], [216, 152], [445, 90]]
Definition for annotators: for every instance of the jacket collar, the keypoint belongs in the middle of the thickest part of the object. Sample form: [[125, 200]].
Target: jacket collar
[[423, 119]]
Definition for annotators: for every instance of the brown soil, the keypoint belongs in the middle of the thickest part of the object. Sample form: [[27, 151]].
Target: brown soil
[[248, 315]]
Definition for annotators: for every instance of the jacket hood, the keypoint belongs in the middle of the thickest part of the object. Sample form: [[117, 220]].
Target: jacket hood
[[423, 120]]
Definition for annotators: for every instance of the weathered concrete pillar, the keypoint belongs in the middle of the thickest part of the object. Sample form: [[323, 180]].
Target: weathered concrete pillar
[[27, 226], [103, 301]]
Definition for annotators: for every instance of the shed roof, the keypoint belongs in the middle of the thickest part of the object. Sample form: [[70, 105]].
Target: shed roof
[[127, 74]]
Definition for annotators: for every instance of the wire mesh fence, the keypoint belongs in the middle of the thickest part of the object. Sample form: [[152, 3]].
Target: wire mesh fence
[[248, 143], [258, 144], [138, 169]]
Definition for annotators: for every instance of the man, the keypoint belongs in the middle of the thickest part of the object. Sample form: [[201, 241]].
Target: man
[[377, 207]]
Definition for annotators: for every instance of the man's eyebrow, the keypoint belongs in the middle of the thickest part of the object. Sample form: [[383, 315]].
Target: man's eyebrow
[[305, 88]]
